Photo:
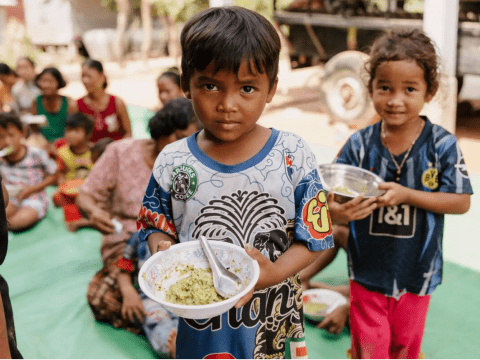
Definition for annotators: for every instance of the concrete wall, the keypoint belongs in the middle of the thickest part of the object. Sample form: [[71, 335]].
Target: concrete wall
[[90, 14]]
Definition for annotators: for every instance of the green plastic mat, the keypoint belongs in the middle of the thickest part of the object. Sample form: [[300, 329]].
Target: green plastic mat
[[48, 270]]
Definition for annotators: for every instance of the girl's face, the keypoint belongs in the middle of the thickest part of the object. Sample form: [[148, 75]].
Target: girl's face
[[399, 92], [92, 79], [25, 70], [168, 90], [48, 84]]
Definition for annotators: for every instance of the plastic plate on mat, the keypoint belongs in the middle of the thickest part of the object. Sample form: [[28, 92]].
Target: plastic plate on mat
[[165, 268], [317, 303]]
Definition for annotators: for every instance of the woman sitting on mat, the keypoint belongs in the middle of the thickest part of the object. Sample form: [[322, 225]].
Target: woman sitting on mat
[[108, 112], [111, 197]]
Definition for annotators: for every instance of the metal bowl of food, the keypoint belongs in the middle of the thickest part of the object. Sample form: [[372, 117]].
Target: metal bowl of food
[[347, 182]]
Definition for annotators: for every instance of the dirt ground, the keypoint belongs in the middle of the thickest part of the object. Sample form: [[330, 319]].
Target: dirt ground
[[296, 106]]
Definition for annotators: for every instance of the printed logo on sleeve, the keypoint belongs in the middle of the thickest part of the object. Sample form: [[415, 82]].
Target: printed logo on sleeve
[[184, 182], [396, 221], [461, 166], [316, 217]]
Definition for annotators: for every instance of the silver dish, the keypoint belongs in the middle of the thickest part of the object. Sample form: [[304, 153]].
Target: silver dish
[[347, 182]]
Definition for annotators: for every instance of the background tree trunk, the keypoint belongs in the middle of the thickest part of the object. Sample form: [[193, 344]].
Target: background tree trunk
[[122, 20], [147, 28]]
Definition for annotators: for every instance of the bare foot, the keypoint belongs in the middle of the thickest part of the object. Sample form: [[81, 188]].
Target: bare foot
[[172, 343], [73, 226]]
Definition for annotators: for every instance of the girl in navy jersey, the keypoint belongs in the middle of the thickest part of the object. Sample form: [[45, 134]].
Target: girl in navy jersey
[[395, 254]]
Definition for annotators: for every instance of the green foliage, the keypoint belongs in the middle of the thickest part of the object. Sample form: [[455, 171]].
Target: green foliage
[[180, 10]]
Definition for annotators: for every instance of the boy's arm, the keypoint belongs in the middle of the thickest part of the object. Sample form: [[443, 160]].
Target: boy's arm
[[159, 241], [297, 257], [437, 202], [132, 306], [47, 181]]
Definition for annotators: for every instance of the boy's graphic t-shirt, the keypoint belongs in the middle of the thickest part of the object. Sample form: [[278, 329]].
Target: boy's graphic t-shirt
[[269, 201], [398, 249]]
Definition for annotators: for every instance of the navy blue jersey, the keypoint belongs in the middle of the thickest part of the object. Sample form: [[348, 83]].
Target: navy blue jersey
[[399, 248]]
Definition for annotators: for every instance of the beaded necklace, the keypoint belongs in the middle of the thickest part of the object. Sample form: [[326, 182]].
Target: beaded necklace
[[399, 167]]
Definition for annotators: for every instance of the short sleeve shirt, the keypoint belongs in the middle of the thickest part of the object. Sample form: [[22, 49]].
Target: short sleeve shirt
[[270, 201], [29, 171], [398, 249]]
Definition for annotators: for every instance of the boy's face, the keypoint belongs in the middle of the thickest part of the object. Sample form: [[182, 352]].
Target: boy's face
[[11, 137], [75, 136], [229, 105]]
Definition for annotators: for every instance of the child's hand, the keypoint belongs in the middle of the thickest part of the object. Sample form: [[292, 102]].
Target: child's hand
[[25, 193], [132, 306], [396, 194], [336, 320], [159, 242], [101, 221], [355, 209], [263, 280]]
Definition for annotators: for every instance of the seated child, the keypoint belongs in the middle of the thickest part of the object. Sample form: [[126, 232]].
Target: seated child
[[99, 147], [168, 84], [74, 162], [159, 326], [239, 182], [27, 169]]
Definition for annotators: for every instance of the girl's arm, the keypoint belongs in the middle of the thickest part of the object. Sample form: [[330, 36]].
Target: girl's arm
[[122, 114], [437, 202], [33, 109], [72, 106]]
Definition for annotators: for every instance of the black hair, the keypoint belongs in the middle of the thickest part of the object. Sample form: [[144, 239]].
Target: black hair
[[55, 73], [6, 70], [397, 45], [10, 119], [28, 59], [227, 36], [96, 65], [80, 120], [177, 114], [173, 74], [99, 147]]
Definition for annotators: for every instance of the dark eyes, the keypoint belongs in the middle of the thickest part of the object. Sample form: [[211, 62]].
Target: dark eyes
[[248, 89], [210, 87]]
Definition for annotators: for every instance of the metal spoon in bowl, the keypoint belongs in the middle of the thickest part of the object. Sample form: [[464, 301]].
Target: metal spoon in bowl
[[226, 283]]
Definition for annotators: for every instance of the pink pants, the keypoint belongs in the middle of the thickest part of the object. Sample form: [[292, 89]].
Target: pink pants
[[385, 328]]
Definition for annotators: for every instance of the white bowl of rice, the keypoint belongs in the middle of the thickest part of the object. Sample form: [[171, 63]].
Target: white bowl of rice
[[178, 278]]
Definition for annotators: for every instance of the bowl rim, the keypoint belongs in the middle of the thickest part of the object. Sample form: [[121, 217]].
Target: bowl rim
[[326, 291], [192, 243], [346, 166]]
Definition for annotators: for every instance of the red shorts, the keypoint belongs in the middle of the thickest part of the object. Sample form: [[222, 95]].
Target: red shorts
[[385, 328]]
